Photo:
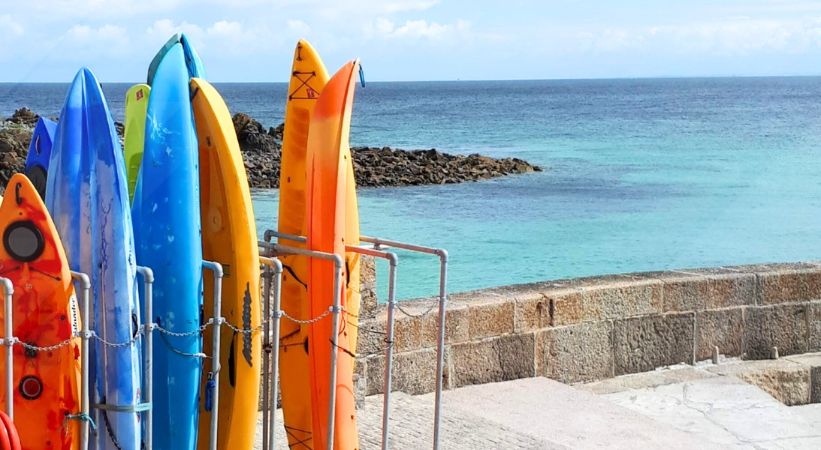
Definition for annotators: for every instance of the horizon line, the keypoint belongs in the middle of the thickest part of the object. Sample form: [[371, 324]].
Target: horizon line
[[616, 78]]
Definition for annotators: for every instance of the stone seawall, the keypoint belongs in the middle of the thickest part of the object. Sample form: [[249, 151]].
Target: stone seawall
[[594, 328]]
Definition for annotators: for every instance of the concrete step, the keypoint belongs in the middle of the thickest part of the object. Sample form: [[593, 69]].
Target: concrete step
[[562, 415]]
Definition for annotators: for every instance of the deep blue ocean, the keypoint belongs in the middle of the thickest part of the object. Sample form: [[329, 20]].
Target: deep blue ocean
[[644, 174]]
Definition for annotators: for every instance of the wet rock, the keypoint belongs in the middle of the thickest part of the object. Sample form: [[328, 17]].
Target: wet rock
[[24, 116]]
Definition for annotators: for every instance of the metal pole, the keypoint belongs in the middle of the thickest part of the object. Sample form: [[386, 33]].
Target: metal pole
[[8, 293], [268, 407], [266, 355], [336, 309], [276, 315], [216, 269], [440, 349], [148, 357], [85, 285], [386, 407]]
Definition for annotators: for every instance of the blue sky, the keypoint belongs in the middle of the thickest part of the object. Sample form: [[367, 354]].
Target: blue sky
[[252, 40]]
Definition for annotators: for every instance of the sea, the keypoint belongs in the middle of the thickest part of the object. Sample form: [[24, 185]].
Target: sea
[[639, 174]]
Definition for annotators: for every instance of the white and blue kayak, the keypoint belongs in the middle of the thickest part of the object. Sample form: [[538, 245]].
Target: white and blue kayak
[[166, 212], [87, 196]]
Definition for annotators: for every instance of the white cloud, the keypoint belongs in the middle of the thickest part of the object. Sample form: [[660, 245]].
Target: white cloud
[[10, 27], [298, 26], [224, 28], [89, 9], [165, 28], [404, 6], [735, 35], [417, 29], [103, 40], [104, 33]]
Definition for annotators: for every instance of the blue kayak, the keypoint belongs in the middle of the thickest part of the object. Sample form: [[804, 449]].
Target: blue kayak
[[87, 196], [166, 213], [39, 153], [192, 60]]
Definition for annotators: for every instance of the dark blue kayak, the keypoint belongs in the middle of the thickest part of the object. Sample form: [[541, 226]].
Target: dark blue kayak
[[39, 153]]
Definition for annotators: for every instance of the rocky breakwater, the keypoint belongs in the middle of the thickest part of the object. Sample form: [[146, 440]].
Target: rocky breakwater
[[261, 150], [391, 167]]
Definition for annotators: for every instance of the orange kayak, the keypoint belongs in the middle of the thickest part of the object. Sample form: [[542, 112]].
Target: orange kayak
[[47, 383], [327, 171]]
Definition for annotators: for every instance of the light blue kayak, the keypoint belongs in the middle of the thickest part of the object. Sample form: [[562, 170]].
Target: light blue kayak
[[87, 196], [192, 59], [39, 153], [166, 213]]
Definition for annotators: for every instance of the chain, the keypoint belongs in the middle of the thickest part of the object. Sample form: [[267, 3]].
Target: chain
[[187, 333], [47, 348], [256, 329], [308, 321], [428, 311], [127, 343]]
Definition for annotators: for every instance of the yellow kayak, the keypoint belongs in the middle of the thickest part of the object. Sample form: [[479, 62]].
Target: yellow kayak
[[308, 78], [229, 236]]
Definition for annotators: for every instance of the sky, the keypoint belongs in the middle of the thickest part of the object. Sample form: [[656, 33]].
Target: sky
[[400, 40]]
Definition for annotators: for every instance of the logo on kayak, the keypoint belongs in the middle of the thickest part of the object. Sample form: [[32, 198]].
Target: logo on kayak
[[310, 92], [140, 94], [247, 340]]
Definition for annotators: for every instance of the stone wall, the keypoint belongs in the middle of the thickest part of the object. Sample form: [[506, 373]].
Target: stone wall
[[594, 328]]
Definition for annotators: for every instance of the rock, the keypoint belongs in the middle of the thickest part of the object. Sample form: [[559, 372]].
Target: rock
[[277, 131], [14, 143], [24, 116], [390, 167]]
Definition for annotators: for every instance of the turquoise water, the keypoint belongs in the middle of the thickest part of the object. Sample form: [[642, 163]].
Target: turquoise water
[[640, 174]]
